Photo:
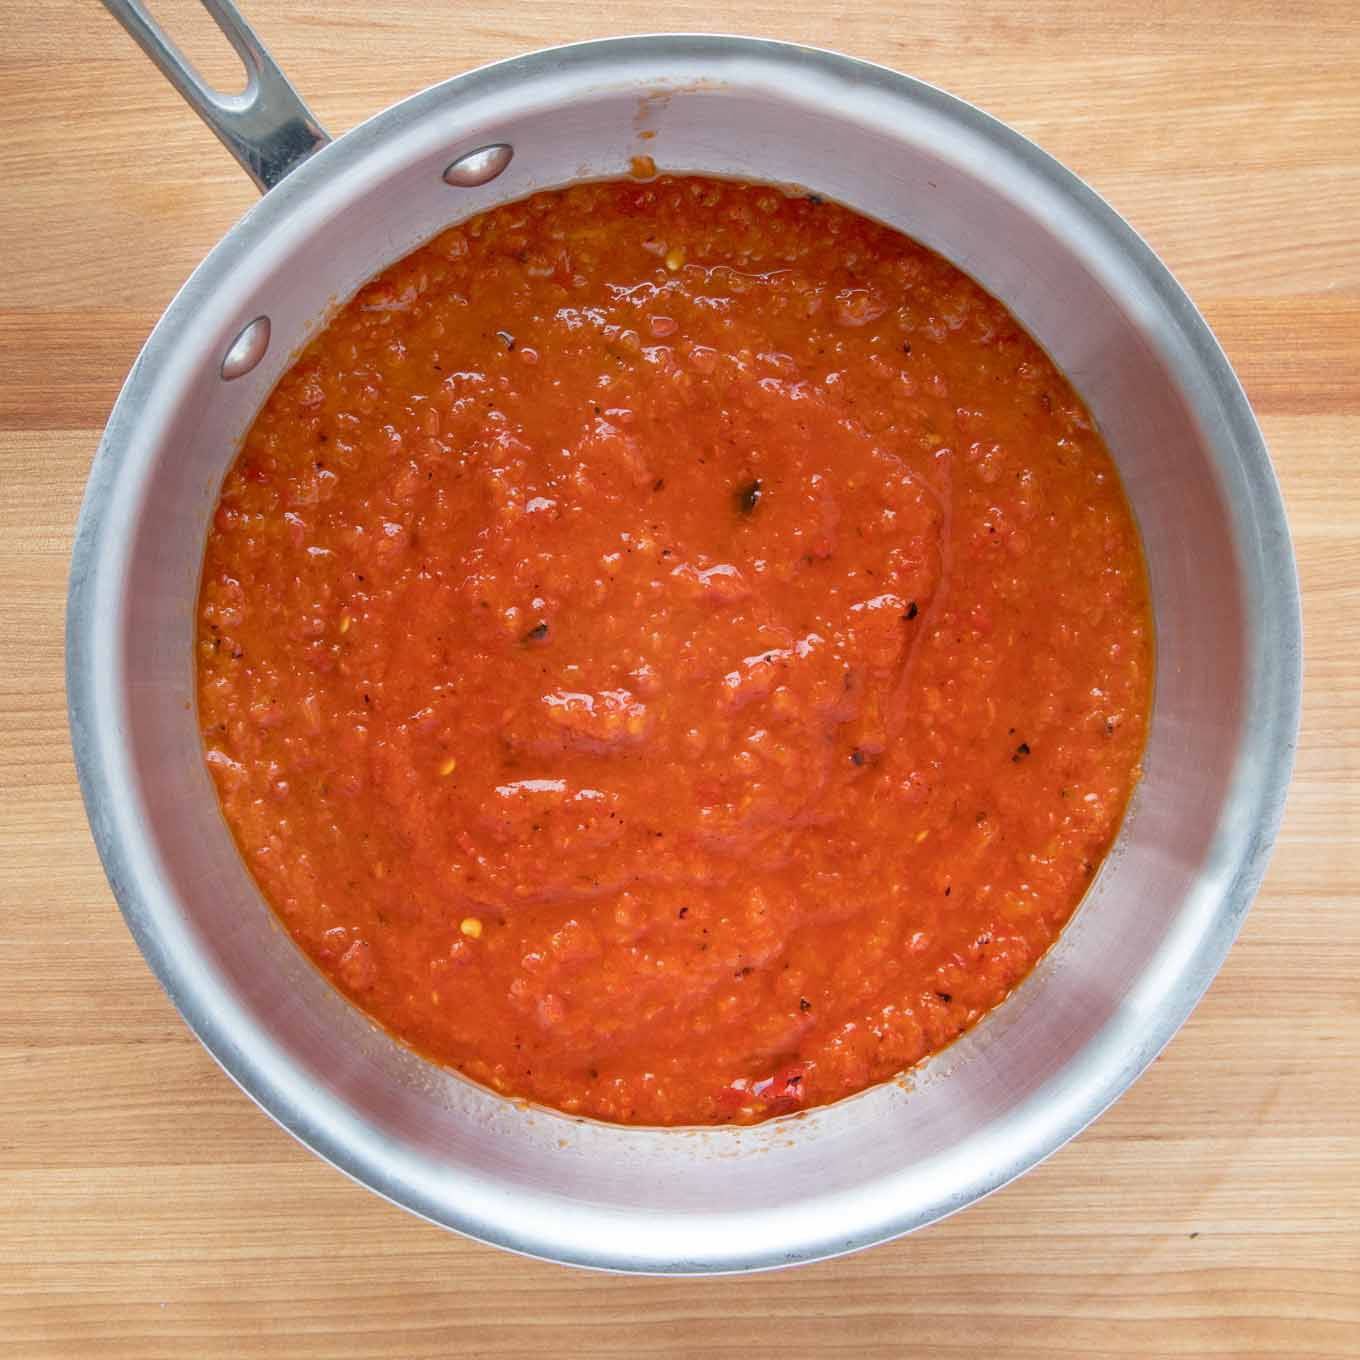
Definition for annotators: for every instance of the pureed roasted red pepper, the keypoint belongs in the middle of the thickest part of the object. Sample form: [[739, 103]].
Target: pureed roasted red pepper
[[677, 652]]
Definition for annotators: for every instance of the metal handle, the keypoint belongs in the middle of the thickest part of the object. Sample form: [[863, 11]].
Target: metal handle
[[266, 127]]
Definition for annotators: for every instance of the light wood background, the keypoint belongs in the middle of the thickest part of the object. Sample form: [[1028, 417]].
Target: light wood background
[[147, 1209]]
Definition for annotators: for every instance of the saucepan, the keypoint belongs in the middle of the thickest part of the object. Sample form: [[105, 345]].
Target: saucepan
[[1167, 903]]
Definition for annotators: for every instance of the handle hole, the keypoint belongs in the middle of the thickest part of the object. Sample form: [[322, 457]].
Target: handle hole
[[202, 44]]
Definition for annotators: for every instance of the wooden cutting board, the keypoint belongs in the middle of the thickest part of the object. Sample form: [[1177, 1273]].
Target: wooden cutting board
[[151, 1210]]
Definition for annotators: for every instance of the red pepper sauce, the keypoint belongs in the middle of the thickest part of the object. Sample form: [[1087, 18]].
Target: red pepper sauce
[[677, 652]]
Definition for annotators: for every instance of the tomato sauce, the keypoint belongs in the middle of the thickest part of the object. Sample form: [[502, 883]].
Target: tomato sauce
[[674, 651]]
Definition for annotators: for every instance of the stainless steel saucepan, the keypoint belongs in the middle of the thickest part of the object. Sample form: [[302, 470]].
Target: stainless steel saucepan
[[1166, 905]]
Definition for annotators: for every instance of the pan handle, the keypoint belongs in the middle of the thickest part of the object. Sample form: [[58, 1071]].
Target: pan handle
[[266, 127]]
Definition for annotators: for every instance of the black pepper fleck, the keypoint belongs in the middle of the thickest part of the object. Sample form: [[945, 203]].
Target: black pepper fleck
[[748, 496]]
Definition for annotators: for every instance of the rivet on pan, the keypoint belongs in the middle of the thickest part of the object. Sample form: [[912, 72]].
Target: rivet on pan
[[246, 350], [479, 167]]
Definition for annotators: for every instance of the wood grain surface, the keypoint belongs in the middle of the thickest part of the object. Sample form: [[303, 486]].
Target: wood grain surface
[[150, 1210]]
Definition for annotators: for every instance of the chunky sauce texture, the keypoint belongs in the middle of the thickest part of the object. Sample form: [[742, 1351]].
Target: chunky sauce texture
[[674, 651]]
